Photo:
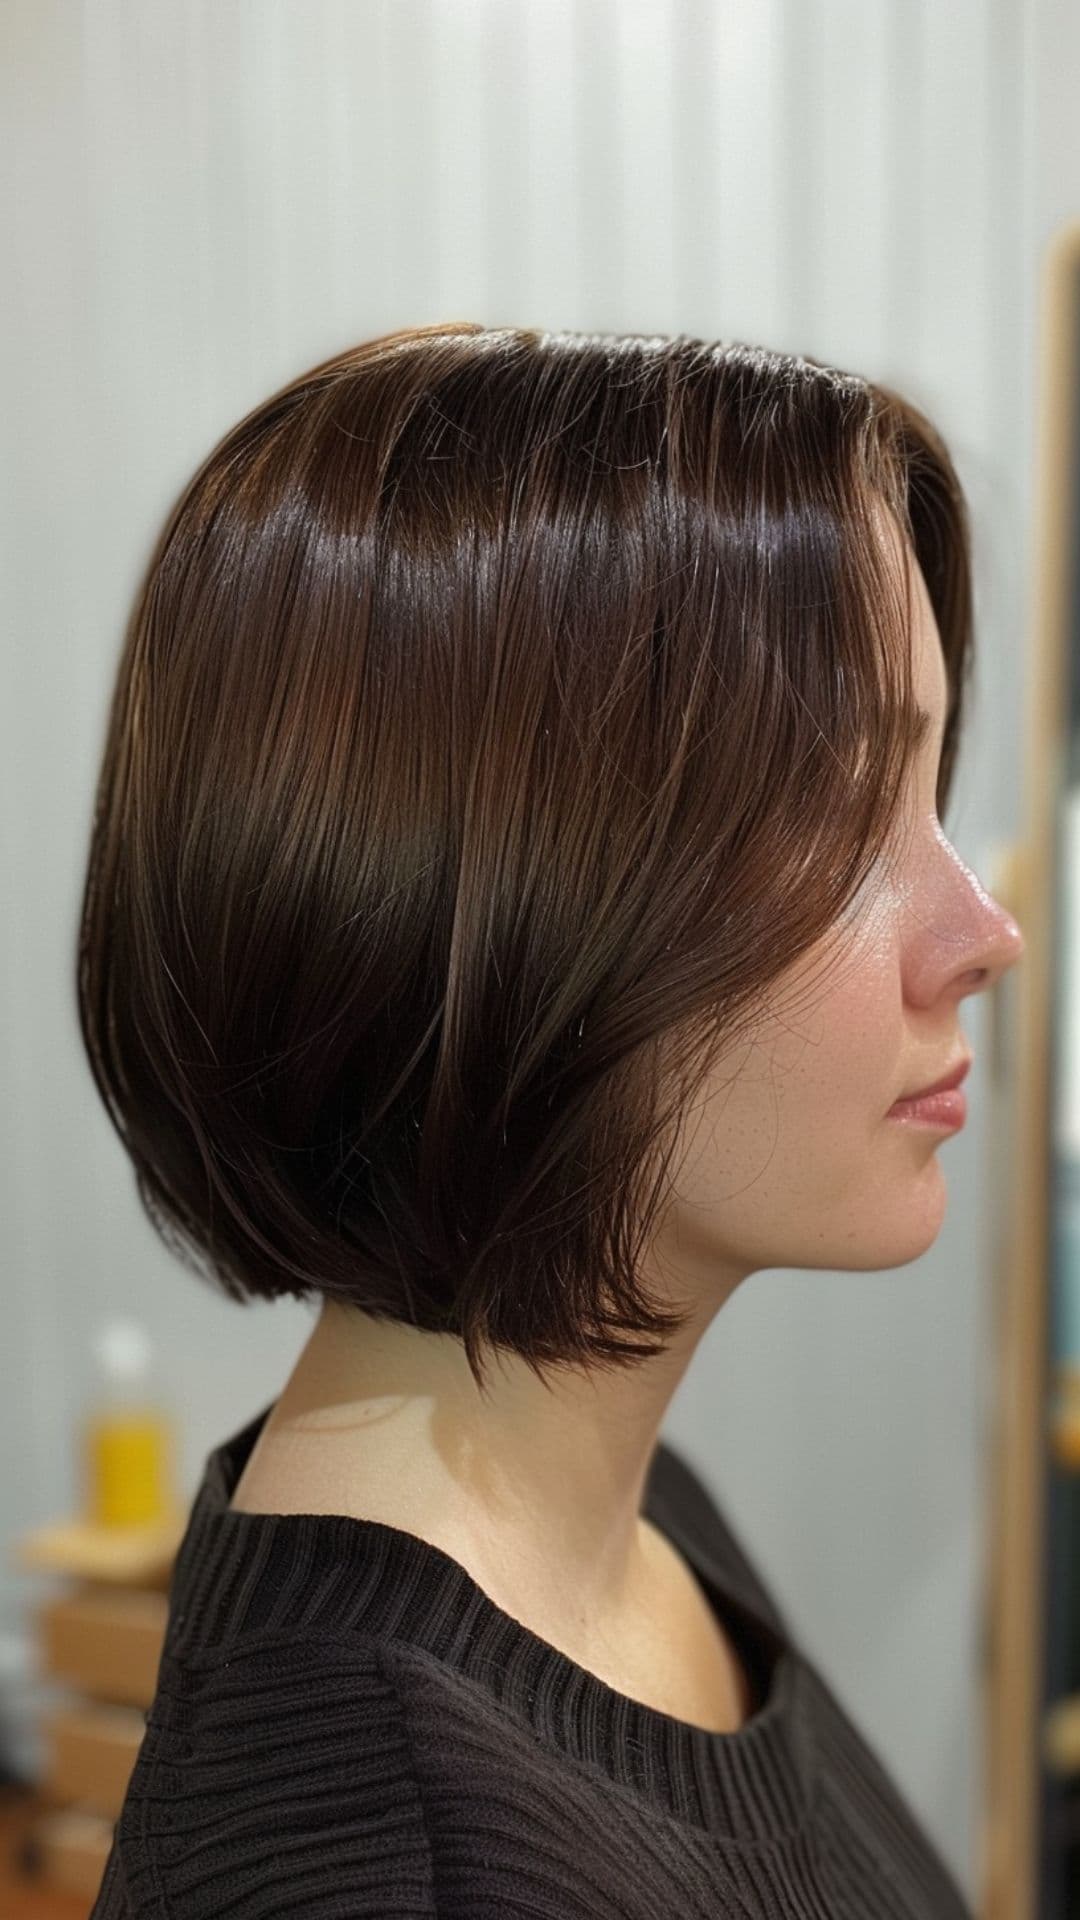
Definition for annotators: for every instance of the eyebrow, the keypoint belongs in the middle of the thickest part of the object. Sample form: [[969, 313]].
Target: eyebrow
[[922, 726]]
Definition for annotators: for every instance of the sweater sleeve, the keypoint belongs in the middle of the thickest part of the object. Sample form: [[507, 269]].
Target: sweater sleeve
[[278, 1778], [112, 1901]]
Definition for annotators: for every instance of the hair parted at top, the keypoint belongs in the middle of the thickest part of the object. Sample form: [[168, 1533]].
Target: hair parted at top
[[500, 712]]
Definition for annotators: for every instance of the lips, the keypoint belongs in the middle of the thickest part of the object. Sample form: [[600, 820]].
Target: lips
[[951, 1079]]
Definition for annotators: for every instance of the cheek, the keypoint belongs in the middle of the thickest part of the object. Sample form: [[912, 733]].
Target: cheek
[[863, 1032], [789, 1116], [838, 1035], [791, 1160]]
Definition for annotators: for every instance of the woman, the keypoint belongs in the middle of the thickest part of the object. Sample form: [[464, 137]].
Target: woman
[[516, 905]]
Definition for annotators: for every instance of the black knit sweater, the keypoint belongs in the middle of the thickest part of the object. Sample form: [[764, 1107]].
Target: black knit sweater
[[345, 1724]]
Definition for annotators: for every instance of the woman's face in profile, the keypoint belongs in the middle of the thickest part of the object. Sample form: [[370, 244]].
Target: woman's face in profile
[[792, 1159]]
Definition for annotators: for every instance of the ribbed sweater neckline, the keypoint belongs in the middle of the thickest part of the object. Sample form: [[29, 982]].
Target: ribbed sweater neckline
[[250, 1577]]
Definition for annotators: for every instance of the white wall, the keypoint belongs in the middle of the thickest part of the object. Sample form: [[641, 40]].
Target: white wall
[[201, 200]]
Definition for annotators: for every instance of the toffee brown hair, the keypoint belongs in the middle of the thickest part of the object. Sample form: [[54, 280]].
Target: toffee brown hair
[[500, 713]]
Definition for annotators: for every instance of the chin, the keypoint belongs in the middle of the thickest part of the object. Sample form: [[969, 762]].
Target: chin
[[908, 1227]]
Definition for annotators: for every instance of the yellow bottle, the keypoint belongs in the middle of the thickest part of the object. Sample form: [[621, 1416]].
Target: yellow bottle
[[129, 1440]]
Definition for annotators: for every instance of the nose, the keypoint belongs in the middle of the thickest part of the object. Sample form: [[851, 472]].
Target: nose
[[1005, 946], [963, 941], [1008, 946]]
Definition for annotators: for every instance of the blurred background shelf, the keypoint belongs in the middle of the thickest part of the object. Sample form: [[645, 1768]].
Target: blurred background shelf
[[98, 1642]]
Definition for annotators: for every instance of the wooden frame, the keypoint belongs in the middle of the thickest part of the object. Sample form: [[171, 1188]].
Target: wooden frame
[[1022, 1047]]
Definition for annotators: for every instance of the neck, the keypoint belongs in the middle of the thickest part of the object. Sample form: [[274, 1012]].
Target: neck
[[536, 1488]]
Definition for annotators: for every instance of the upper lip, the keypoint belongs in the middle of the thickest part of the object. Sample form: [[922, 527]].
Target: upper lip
[[950, 1079]]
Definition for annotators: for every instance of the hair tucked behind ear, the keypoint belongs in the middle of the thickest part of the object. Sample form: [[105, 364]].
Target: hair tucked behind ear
[[499, 714]]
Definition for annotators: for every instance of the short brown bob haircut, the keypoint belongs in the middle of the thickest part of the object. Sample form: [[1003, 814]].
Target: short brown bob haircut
[[500, 713]]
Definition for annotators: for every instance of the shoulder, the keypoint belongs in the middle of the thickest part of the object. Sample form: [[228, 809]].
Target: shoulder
[[277, 1775], [330, 1774]]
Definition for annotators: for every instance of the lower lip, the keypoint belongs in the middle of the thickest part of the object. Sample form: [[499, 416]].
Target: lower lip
[[947, 1110]]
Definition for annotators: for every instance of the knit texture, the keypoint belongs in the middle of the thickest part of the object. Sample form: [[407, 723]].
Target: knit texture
[[344, 1724]]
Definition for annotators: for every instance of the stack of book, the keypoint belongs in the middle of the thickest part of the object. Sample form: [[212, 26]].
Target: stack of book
[[99, 1640]]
